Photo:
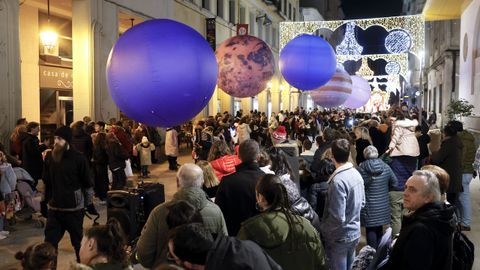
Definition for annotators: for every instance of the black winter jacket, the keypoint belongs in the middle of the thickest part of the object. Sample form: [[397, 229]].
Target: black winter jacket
[[450, 158], [116, 156], [32, 160], [236, 195], [68, 186], [230, 253], [82, 142], [425, 240]]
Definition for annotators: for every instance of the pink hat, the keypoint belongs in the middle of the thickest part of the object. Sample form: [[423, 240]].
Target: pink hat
[[279, 135]]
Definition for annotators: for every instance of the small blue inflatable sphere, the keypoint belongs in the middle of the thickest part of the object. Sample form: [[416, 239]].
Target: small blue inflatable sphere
[[161, 73], [307, 62]]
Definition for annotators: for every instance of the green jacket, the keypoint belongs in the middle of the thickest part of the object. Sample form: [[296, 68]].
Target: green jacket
[[468, 151], [152, 244], [293, 250]]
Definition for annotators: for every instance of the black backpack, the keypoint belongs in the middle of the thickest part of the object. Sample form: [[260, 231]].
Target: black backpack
[[463, 251]]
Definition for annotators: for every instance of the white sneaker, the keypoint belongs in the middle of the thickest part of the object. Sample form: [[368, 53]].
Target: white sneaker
[[4, 233]]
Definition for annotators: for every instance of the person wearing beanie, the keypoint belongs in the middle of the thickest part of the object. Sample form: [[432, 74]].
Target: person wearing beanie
[[279, 135], [290, 148], [144, 150], [68, 190]]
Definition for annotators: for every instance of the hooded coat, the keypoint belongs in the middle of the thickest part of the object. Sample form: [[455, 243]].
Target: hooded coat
[[425, 240], [225, 165], [449, 157], [233, 254], [152, 244], [378, 178], [404, 142], [299, 248]]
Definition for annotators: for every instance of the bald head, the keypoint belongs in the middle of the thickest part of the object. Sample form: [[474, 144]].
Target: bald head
[[190, 175]]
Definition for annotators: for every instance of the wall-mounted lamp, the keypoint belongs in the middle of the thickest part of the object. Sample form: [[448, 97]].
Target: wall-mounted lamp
[[48, 37], [266, 20]]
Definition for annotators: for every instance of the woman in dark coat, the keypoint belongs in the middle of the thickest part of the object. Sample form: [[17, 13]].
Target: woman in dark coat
[[100, 162], [378, 178], [363, 140], [81, 141]]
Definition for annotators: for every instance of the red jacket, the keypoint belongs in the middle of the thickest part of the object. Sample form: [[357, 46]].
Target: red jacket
[[225, 165]]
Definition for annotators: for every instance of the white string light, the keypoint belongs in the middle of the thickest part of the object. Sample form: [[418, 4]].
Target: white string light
[[398, 41], [349, 44], [392, 68]]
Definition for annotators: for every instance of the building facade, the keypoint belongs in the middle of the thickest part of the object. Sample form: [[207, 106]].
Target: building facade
[[58, 85]]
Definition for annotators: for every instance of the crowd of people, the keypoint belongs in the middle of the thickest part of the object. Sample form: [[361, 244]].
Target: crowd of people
[[289, 191]]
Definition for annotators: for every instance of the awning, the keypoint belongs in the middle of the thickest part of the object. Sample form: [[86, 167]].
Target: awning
[[436, 10]]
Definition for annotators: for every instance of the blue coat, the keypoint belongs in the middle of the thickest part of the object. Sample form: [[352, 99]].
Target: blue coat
[[378, 177]]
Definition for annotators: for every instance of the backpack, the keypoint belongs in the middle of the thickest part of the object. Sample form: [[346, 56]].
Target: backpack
[[463, 251]]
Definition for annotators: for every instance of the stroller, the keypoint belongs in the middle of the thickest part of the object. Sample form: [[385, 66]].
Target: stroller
[[29, 199]]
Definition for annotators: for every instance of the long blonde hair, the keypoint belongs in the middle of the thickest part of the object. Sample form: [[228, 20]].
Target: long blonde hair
[[209, 177], [364, 134]]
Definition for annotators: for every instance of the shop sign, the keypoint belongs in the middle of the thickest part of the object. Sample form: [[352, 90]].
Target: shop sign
[[56, 77]]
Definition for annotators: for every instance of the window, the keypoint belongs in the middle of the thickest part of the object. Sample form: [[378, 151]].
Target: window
[[289, 11], [220, 8], [294, 14], [268, 37], [440, 96], [274, 37], [260, 29], [242, 18], [251, 27], [434, 107], [284, 7], [206, 4], [231, 11], [237, 105]]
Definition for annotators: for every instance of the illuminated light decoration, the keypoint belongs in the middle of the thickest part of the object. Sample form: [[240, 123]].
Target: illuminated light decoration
[[398, 41], [392, 68], [161, 73], [245, 66], [335, 92], [49, 39], [365, 70], [360, 93], [349, 45], [307, 62], [401, 59], [414, 25]]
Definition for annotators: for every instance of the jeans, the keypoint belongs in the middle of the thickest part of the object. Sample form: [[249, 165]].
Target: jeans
[[119, 179], [465, 207], [172, 163], [58, 222], [101, 181], [374, 235], [396, 206], [144, 170], [340, 255]]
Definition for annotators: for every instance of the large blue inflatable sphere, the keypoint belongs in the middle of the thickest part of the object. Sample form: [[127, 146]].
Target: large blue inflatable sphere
[[307, 62], [161, 72]]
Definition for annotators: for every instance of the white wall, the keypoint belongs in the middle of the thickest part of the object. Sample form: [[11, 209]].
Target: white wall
[[469, 74]]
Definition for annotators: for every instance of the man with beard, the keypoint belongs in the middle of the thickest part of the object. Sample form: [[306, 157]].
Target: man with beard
[[68, 190]]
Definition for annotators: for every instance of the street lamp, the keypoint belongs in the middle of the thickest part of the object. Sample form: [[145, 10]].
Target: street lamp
[[48, 37]]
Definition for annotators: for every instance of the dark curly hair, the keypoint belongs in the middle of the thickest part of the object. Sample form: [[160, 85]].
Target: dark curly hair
[[110, 241], [37, 257]]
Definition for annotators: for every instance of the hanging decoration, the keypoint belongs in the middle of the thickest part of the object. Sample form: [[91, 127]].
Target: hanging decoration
[[161, 73], [414, 25], [398, 41], [246, 64], [360, 93], [307, 62], [335, 92], [349, 44], [392, 68]]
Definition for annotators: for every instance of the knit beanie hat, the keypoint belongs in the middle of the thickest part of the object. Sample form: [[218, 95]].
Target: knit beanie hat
[[65, 133]]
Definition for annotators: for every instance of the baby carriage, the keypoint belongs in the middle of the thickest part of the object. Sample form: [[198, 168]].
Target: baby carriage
[[29, 199]]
